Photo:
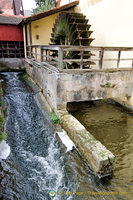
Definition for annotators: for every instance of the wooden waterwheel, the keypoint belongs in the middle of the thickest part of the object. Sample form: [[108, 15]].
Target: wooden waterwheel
[[73, 29]]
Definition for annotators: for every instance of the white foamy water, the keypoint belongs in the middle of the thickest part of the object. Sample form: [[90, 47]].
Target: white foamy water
[[66, 140], [4, 150]]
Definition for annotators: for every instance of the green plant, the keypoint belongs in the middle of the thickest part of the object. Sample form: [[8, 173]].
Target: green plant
[[24, 76], [107, 85], [2, 120], [1, 11], [1, 92], [3, 136], [43, 5], [102, 154], [54, 118]]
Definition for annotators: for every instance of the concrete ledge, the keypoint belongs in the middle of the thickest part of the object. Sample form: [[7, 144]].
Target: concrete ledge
[[8, 64], [100, 160]]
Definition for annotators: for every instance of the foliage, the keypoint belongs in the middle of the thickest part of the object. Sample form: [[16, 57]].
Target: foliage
[[43, 5], [54, 118], [102, 154], [62, 35], [2, 120], [1, 11], [107, 85], [25, 76], [3, 136], [1, 92]]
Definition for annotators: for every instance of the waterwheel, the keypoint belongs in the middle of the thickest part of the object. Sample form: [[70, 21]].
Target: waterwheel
[[73, 29]]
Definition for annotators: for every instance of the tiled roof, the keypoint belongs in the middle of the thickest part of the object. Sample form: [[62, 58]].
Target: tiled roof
[[10, 19]]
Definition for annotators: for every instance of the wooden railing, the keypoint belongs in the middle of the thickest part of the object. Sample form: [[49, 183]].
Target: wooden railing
[[81, 57]]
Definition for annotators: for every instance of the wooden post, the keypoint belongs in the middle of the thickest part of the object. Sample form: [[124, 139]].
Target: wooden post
[[48, 56], [41, 50], [60, 59], [30, 36], [31, 55], [101, 53], [2, 50], [81, 63], [132, 63], [30, 33], [36, 53], [26, 38], [118, 61]]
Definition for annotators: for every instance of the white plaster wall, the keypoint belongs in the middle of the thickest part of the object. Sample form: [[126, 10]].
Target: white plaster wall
[[63, 2], [111, 20]]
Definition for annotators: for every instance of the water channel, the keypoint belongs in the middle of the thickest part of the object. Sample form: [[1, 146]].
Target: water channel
[[38, 163], [113, 126]]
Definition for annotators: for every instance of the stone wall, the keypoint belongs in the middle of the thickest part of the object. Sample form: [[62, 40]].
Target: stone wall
[[8, 64], [75, 86], [46, 79], [94, 85], [100, 160]]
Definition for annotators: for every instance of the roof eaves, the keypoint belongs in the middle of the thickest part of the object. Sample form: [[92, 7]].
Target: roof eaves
[[10, 19], [50, 12]]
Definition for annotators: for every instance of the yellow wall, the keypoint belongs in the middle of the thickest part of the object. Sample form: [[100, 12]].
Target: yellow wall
[[43, 29]]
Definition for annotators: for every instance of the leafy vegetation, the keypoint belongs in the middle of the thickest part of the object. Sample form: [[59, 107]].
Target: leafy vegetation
[[107, 85], [54, 118], [1, 11], [1, 92], [43, 5], [102, 154], [25, 76], [3, 136], [2, 119]]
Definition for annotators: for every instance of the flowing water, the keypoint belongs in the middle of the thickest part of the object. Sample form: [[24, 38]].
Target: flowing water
[[38, 163]]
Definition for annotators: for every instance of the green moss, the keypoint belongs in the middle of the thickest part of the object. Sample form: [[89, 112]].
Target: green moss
[[25, 76], [1, 92], [107, 85], [3, 136], [102, 154], [54, 118]]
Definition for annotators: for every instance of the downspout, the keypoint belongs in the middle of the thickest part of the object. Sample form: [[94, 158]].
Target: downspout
[[59, 1]]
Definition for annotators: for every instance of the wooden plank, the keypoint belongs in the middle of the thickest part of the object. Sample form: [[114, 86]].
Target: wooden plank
[[132, 63], [41, 51], [60, 58], [83, 48], [101, 54], [118, 61], [36, 53], [81, 63], [79, 60], [30, 34], [48, 56], [26, 37]]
